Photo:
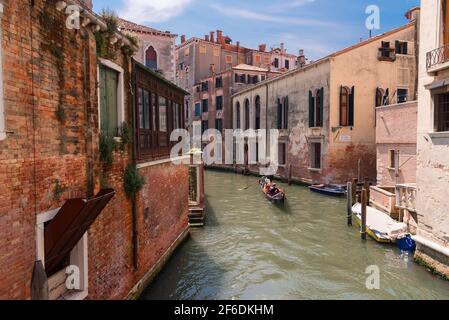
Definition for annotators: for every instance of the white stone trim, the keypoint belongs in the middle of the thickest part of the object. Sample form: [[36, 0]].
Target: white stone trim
[[2, 106], [120, 91], [162, 161], [78, 256]]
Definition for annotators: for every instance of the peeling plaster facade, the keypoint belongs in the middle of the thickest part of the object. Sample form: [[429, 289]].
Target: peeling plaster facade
[[433, 147], [341, 146]]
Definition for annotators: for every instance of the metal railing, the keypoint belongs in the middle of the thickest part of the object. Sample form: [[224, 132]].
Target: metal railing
[[406, 197], [437, 56]]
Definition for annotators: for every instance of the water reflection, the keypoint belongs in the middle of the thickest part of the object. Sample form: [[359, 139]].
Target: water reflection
[[252, 249]]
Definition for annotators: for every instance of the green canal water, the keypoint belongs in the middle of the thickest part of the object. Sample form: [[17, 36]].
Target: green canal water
[[252, 249]]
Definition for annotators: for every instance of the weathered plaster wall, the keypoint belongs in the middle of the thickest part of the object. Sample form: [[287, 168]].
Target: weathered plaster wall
[[433, 152], [165, 49], [360, 67], [396, 130]]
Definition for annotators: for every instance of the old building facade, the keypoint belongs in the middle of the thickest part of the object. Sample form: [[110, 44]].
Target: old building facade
[[156, 48], [212, 98], [433, 138], [67, 149], [325, 111], [198, 58]]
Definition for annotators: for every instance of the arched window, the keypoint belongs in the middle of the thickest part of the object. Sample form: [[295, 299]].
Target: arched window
[[151, 58], [237, 113], [246, 114], [346, 106], [379, 97], [257, 114]]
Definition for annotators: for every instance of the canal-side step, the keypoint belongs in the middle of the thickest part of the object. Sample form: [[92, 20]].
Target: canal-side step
[[196, 217]]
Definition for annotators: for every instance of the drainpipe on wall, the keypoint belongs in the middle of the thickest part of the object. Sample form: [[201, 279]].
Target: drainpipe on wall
[[2, 110], [134, 161]]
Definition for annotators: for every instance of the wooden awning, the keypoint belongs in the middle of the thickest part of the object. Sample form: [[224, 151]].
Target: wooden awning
[[69, 225]]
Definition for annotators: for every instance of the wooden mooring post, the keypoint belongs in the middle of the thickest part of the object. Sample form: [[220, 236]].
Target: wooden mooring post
[[350, 203], [355, 183], [364, 208]]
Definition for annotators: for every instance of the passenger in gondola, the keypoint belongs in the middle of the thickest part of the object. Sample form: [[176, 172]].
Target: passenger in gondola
[[274, 190]]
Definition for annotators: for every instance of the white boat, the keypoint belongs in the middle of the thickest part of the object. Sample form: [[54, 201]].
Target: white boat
[[380, 226]]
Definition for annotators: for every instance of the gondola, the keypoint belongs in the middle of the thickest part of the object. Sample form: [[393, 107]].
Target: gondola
[[277, 198], [328, 190]]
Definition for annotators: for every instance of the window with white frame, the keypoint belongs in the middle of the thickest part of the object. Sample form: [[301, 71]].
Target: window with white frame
[[78, 258], [2, 110], [111, 97]]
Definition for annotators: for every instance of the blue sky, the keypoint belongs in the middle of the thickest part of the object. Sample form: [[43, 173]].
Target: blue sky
[[318, 26]]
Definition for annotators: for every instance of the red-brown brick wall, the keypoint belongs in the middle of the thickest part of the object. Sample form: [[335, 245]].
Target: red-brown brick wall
[[46, 161], [161, 219]]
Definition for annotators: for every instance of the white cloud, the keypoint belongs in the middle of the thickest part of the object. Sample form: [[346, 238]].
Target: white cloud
[[153, 11], [254, 15]]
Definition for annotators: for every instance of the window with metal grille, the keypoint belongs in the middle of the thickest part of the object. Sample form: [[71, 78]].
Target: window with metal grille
[[441, 112]]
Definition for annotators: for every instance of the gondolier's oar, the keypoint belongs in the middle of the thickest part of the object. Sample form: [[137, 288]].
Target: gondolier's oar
[[251, 185]]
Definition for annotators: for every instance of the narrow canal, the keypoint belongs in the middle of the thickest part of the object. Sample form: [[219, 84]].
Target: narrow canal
[[251, 249]]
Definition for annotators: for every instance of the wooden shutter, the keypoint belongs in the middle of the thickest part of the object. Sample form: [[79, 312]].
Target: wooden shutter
[[279, 114], [286, 113], [341, 105], [351, 107], [320, 108], [446, 22], [405, 47], [108, 100], [397, 46], [311, 110], [70, 224]]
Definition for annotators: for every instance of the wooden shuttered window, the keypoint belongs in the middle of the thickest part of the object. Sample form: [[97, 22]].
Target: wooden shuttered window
[[316, 105], [351, 107], [279, 114], [285, 124], [446, 23], [347, 106], [68, 227], [282, 114], [108, 101], [311, 110]]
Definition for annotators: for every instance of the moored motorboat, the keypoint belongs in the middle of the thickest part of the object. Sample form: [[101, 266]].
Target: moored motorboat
[[277, 197], [384, 229], [328, 190]]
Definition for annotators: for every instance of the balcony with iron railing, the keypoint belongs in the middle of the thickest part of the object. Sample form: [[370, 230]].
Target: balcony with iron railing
[[438, 59]]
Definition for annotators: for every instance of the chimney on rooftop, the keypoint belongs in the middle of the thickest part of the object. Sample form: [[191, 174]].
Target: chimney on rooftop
[[301, 58], [413, 14], [206, 37], [183, 39], [212, 36], [220, 37], [282, 47], [262, 47]]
